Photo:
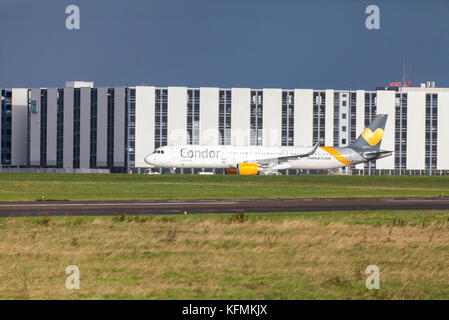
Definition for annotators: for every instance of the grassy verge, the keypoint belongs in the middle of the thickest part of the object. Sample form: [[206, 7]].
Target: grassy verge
[[30, 187], [254, 256]]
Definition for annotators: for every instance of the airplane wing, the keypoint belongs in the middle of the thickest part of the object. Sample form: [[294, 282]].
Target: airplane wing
[[277, 160], [299, 156]]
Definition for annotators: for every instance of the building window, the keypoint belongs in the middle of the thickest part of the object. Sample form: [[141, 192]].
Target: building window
[[160, 119], [343, 129], [76, 128], [60, 129], [132, 128], [224, 117], [93, 127], [431, 132], [353, 117], [400, 148], [319, 114], [256, 116], [337, 120], [370, 114], [6, 126], [193, 117], [43, 162], [110, 133], [288, 118]]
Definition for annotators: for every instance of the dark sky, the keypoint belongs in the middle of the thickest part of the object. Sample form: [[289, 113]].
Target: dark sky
[[225, 43]]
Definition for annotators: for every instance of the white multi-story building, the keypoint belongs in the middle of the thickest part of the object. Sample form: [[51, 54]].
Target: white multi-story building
[[84, 127]]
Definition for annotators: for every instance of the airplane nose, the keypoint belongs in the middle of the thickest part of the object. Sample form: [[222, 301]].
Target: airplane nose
[[147, 159]]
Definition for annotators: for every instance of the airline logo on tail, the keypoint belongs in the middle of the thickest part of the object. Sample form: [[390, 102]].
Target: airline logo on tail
[[372, 138]]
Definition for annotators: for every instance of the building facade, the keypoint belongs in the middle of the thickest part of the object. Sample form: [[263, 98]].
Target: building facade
[[84, 127]]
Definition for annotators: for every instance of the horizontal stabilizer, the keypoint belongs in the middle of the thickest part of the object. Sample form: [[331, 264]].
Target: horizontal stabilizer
[[377, 154]]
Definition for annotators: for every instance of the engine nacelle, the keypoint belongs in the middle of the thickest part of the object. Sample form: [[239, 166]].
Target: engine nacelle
[[247, 169]]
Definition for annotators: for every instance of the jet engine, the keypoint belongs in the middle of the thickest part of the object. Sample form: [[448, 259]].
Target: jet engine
[[247, 169], [231, 171]]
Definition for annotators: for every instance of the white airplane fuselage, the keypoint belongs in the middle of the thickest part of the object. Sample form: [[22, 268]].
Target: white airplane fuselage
[[192, 156], [254, 159]]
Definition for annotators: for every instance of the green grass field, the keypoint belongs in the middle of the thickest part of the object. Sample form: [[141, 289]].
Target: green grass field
[[254, 256], [31, 187], [247, 256]]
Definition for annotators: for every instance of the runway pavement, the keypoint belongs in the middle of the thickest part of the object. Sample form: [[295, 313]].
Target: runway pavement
[[107, 208]]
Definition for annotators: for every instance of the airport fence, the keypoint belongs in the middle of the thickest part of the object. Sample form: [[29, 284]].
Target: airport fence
[[54, 170]]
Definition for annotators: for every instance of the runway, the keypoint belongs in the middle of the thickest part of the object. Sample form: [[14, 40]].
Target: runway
[[171, 207]]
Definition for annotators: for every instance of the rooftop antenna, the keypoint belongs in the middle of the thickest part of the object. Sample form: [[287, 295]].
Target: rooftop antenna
[[404, 70]]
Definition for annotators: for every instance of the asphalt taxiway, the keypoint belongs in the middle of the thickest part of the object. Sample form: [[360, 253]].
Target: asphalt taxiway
[[169, 207]]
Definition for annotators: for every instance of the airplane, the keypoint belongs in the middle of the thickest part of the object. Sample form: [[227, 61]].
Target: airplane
[[253, 160]]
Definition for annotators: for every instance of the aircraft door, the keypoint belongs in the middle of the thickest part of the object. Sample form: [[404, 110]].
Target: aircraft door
[[223, 155], [174, 153], [174, 158]]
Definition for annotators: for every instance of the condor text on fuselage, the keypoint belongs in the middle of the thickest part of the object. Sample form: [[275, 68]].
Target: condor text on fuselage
[[201, 154]]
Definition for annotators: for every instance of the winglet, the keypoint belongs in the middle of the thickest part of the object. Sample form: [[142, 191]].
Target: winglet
[[315, 148]]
